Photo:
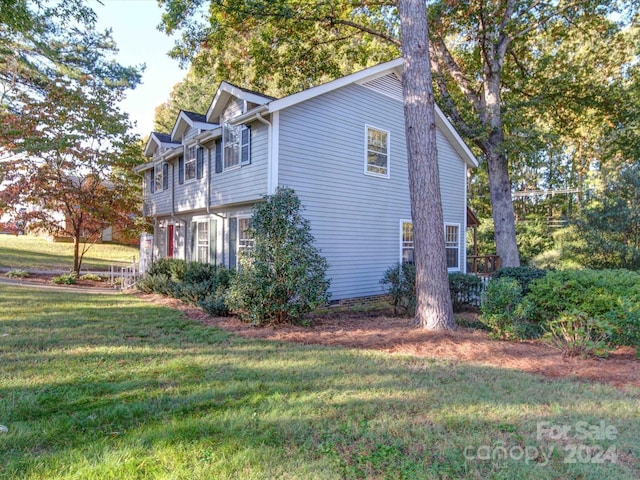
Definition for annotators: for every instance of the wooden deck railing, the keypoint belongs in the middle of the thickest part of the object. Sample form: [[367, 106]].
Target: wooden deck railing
[[483, 264]]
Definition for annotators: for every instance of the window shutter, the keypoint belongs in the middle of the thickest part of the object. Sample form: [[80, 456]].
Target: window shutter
[[165, 176], [219, 155], [213, 236], [192, 242], [245, 145], [233, 241], [181, 170], [199, 162]]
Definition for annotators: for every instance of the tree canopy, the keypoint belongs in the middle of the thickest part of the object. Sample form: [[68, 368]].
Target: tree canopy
[[536, 88], [66, 147]]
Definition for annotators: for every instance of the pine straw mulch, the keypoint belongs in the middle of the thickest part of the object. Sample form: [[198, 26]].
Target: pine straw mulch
[[386, 333]]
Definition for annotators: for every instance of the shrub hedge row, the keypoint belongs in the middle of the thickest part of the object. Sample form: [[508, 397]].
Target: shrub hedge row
[[196, 283], [584, 312]]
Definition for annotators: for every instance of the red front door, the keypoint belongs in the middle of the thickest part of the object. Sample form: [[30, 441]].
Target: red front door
[[170, 241]]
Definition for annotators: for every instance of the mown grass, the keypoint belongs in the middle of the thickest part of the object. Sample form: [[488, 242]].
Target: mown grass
[[37, 253], [109, 387]]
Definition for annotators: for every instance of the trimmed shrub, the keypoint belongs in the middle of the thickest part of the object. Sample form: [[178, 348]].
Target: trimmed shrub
[[523, 275], [196, 283], [607, 301], [156, 283], [399, 281], [283, 276], [171, 267], [503, 310], [577, 334], [92, 276]]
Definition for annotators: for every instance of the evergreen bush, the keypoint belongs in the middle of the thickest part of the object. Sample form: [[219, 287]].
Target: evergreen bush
[[282, 277]]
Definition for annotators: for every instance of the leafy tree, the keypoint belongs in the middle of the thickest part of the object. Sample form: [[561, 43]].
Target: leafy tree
[[67, 154], [193, 93], [491, 72], [282, 277], [609, 227]]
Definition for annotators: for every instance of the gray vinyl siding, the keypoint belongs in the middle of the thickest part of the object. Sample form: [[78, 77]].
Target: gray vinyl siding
[[354, 217], [234, 108], [191, 195], [247, 182], [189, 133], [160, 201]]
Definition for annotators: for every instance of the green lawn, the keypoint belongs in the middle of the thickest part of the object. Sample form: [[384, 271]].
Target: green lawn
[[37, 253], [109, 387]]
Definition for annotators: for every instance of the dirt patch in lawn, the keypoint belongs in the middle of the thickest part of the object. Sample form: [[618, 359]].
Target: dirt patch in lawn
[[398, 335]]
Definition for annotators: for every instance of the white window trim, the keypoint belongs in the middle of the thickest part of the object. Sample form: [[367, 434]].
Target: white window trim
[[238, 249], [238, 165], [158, 184], [451, 224], [446, 224], [195, 160], [366, 152], [402, 222]]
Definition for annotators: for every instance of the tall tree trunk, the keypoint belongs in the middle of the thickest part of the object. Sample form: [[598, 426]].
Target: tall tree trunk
[[433, 308], [502, 205], [499, 184], [76, 253]]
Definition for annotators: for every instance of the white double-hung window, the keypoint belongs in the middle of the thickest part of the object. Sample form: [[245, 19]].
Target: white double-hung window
[[376, 152], [406, 243], [451, 243], [190, 162], [236, 140]]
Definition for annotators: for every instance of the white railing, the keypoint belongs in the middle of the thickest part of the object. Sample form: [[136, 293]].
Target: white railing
[[124, 277]]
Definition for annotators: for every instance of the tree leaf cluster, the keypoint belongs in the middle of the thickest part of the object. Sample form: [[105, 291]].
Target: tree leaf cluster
[[66, 149]]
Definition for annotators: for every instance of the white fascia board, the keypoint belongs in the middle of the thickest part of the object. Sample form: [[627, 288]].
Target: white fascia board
[[209, 135], [177, 127], [313, 92], [250, 115], [226, 91], [143, 167], [205, 126], [454, 137], [173, 153], [151, 145]]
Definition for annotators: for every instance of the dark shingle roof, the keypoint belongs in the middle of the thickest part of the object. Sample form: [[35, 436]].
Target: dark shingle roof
[[196, 117], [163, 137], [253, 92]]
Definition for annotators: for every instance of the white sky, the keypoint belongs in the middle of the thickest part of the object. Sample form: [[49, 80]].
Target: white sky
[[134, 29]]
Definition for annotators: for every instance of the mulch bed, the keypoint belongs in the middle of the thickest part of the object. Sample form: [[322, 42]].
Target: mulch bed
[[399, 335]]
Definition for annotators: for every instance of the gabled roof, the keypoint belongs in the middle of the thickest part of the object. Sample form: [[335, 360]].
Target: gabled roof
[[196, 117], [226, 91], [157, 140], [189, 119], [385, 78]]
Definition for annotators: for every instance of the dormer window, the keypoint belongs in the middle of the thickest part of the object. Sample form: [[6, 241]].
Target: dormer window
[[236, 141]]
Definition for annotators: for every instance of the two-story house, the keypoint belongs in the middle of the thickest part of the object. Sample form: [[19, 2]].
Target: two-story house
[[341, 146]]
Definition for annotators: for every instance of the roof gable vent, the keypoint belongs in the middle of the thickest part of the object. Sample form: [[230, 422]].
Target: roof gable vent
[[388, 85]]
